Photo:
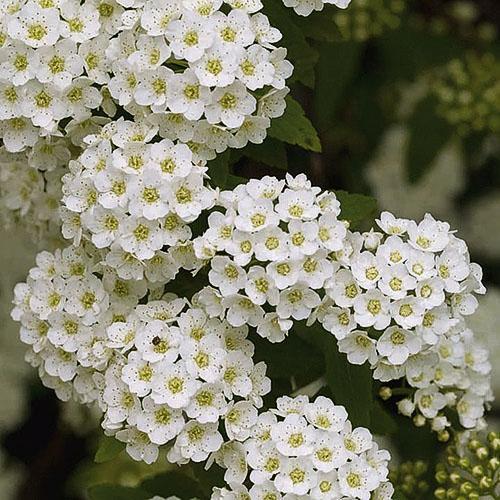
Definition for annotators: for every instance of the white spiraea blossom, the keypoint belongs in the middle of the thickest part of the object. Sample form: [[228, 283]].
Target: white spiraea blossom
[[160, 370], [307, 7], [279, 252], [302, 449], [205, 66]]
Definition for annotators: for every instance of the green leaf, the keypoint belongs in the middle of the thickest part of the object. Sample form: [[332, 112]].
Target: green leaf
[[320, 26], [271, 152], [428, 135], [108, 448], [337, 66], [218, 169], [295, 128], [382, 421], [115, 492], [350, 385], [301, 54], [289, 358], [356, 208], [173, 483]]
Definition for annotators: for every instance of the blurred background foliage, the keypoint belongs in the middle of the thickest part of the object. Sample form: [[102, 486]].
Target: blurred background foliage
[[396, 100]]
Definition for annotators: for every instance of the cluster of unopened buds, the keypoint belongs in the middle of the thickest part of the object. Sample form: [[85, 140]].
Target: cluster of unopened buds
[[472, 468]]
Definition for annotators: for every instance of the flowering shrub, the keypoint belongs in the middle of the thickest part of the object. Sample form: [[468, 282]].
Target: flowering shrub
[[249, 328]]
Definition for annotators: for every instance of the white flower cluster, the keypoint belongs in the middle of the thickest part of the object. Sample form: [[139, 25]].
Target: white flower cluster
[[277, 238], [400, 304], [209, 67], [304, 449], [307, 7], [160, 370], [133, 195], [278, 253], [31, 196]]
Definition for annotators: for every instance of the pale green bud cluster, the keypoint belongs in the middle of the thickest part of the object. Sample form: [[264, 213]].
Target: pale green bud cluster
[[367, 19], [468, 91], [409, 479], [472, 471]]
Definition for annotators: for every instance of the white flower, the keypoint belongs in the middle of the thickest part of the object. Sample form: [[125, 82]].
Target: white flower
[[297, 301], [239, 420], [140, 237], [430, 235], [187, 96], [197, 441], [429, 401], [208, 404], [372, 309], [158, 342], [230, 105], [137, 373], [204, 359], [173, 385], [255, 70], [397, 344], [81, 22], [358, 347], [226, 275], [217, 67], [296, 476], [407, 312], [160, 422], [17, 64], [358, 479], [293, 437], [58, 64], [297, 204], [189, 36], [139, 446], [255, 215], [35, 26]]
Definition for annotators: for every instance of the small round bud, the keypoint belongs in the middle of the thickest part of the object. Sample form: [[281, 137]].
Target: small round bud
[[443, 436], [478, 471], [466, 488], [440, 494], [485, 483], [493, 464], [419, 420], [385, 392], [482, 453], [441, 477]]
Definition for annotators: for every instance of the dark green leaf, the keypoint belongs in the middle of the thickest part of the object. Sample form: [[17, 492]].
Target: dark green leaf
[[356, 208], [114, 492], [108, 448], [218, 170], [428, 134], [320, 26], [350, 385], [302, 55], [289, 358], [336, 68], [382, 421], [173, 483], [271, 152], [295, 128]]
